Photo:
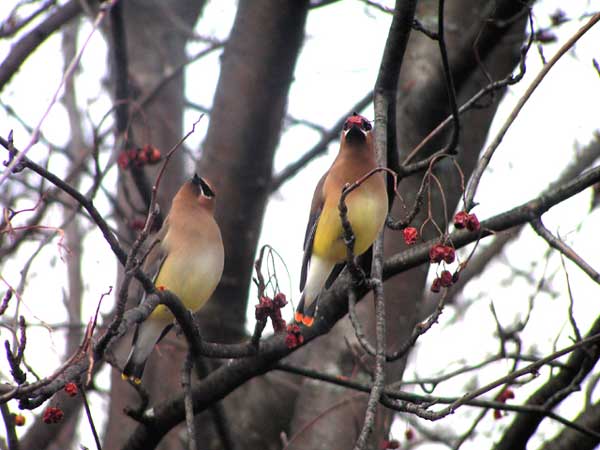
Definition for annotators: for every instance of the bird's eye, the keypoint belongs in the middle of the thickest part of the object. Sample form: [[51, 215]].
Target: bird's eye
[[366, 125], [346, 126]]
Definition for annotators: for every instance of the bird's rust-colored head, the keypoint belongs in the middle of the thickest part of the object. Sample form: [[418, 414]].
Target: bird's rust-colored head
[[356, 130]]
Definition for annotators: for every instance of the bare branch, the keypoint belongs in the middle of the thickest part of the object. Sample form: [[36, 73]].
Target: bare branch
[[28, 43], [186, 385], [488, 153], [564, 249], [15, 162]]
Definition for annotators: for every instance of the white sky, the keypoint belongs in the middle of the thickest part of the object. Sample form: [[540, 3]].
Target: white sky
[[560, 115]]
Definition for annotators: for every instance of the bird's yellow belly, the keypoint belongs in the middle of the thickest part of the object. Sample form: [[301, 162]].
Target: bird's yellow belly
[[193, 282], [366, 215]]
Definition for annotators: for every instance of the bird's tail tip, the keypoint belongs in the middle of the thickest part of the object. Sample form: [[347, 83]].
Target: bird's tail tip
[[304, 319], [133, 370], [131, 378], [305, 315]]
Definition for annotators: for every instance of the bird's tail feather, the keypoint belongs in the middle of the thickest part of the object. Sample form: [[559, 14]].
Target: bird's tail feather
[[146, 335], [133, 369]]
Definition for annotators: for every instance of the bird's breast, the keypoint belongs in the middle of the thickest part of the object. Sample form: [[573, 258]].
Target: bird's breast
[[367, 211], [192, 273]]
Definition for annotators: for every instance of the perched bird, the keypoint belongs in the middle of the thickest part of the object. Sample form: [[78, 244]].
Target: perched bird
[[324, 247], [188, 261]]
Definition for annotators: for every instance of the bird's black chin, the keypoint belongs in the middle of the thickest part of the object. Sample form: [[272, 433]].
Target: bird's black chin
[[355, 135]]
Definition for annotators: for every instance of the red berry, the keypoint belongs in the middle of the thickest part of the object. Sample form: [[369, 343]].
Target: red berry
[[71, 389], [409, 434], [506, 394], [141, 157], [132, 154], [155, 155], [279, 300], [436, 253], [460, 219], [449, 254], [497, 414], [123, 160], [279, 325], [151, 154], [393, 443], [294, 337], [52, 415], [263, 309], [410, 235], [291, 341], [19, 420], [472, 223], [445, 279], [436, 285]]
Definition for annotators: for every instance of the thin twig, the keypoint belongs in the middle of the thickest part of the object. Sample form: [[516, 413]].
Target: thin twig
[[452, 145], [14, 23], [564, 249], [491, 88], [392, 396], [90, 419], [571, 301], [105, 7], [11, 433], [28, 43]]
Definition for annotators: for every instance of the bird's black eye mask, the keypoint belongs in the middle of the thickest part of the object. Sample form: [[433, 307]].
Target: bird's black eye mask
[[205, 188]]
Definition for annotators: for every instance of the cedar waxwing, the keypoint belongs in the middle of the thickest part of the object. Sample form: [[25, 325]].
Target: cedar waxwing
[[324, 247], [188, 260]]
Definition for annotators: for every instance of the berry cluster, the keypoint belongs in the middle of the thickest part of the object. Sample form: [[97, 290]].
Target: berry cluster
[[447, 254], [440, 252], [294, 337], [268, 307], [446, 279], [52, 415], [139, 157], [463, 219]]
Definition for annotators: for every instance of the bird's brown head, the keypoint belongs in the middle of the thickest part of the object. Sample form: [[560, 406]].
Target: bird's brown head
[[357, 131], [198, 189], [204, 191]]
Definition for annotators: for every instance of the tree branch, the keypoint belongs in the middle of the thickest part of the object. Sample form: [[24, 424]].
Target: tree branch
[[489, 152], [28, 43]]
